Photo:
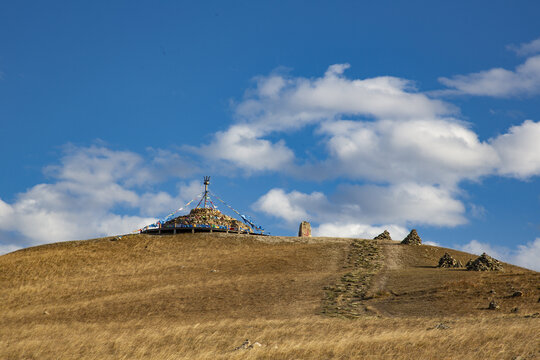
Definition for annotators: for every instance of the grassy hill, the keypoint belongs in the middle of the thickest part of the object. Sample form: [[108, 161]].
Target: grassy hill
[[199, 296]]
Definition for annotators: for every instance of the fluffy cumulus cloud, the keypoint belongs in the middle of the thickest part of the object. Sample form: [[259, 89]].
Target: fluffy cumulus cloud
[[89, 185], [435, 151], [341, 220], [364, 210], [499, 82], [406, 203], [241, 145], [411, 151], [358, 230], [291, 207], [283, 104], [477, 247], [524, 49], [527, 255], [397, 134], [519, 150], [404, 154], [279, 103]]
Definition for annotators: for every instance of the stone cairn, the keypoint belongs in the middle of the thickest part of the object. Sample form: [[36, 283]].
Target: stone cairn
[[484, 263], [447, 261], [412, 238], [493, 305], [305, 229], [385, 235], [206, 216]]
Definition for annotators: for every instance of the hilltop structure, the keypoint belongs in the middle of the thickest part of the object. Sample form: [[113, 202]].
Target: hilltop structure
[[205, 217], [305, 229]]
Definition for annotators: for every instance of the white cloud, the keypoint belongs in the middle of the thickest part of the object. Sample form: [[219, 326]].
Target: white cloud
[[4, 249], [291, 207], [6, 212], [242, 146], [477, 211], [90, 183], [498, 82], [357, 230], [436, 151], [190, 190], [410, 139], [369, 204], [406, 148], [280, 103], [402, 204], [519, 150], [527, 255], [529, 48], [477, 247]]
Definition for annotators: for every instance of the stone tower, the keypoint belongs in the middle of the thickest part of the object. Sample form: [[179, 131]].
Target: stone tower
[[305, 229]]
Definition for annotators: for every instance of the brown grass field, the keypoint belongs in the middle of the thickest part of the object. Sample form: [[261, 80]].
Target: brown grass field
[[199, 296]]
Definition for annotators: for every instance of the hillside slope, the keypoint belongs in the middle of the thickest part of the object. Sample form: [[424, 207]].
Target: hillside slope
[[200, 295]]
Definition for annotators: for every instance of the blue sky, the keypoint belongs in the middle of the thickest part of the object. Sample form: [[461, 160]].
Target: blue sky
[[357, 117]]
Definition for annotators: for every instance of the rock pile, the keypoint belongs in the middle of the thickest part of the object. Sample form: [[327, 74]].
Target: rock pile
[[385, 235], [484, 263], [206, 216], [412, 238], [447, 261]]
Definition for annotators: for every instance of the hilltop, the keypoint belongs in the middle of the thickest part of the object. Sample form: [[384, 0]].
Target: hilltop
[[201, 295]]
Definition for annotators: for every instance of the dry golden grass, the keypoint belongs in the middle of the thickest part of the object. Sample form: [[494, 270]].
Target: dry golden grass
[[411, 285], [200, 296], [297, 338]]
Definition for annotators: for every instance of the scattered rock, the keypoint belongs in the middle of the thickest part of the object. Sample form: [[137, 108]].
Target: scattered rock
[[441, 326], [447, 261], [305, 229], [45, 312], [247, 345], [514, 310], [484, 263], [535, 315], [492, 291], [385, 235], [493, 305], [517, 294], [412, 238], [213, 271], [244, 345]]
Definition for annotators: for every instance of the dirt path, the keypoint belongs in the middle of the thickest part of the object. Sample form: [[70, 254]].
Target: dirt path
[[392, 252]]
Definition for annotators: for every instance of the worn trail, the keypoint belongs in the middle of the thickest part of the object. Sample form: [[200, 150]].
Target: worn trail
[[345, 297]]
